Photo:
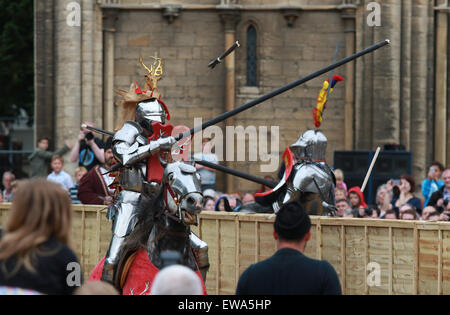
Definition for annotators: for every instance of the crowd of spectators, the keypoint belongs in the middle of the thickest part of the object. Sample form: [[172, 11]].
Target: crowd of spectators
[[396, 199]]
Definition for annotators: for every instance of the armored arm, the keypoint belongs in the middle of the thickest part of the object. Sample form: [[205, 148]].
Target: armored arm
[[130, 147]]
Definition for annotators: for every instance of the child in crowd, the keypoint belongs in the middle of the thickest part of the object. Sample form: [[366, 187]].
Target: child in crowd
[[356, 198], [339, 194], [79, 173], [339, 174], [58, 175]]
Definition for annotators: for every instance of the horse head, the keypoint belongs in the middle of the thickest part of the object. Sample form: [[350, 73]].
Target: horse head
[[182, 192]]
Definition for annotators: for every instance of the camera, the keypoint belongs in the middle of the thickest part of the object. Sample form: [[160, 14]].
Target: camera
[[396, 182], [89, 136]]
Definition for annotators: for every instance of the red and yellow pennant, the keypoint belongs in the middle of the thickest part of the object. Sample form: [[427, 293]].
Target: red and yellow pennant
[[323, 98]]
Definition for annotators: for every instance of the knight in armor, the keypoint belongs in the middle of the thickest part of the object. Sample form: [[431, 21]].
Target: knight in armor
[[137, 145], [307, 176]]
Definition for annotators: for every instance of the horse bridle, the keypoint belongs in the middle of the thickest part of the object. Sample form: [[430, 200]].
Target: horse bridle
[[177, 201]]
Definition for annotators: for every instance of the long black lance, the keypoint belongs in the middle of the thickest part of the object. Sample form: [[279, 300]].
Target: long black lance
[[279, 91], [259, 180]]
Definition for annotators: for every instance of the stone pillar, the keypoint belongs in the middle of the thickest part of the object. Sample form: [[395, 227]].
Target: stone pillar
[[67, 71], [230, 19], [440, 113], [87, 74], [364, 82], [348, 15], [44, 87], [110, 17], [405, 86], [419, 71], [386, 76]]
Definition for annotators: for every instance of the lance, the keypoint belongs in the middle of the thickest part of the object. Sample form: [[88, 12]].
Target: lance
[[101, 131], [219, 59], [281, 90], [259, 180]]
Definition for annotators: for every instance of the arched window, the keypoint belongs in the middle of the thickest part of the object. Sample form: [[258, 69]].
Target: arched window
[[251, 56]]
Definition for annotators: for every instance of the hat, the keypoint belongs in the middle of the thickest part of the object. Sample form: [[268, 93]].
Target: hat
[[292, 221]]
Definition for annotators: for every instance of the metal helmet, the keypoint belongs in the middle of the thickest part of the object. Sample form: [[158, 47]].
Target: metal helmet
[[312, 145], [149, 111]]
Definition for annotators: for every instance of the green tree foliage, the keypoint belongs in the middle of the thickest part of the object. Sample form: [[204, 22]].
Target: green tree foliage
[[16, 56]]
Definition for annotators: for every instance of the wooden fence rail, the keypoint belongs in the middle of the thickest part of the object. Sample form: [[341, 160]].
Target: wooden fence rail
[[370, 256]]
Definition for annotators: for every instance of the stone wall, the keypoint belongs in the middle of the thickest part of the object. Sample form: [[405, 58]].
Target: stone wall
[[391, 98]]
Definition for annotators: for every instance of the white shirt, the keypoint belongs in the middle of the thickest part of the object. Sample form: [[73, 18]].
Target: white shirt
[[64, 179]]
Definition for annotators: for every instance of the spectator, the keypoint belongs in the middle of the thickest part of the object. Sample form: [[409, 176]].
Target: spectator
[[438, 197], [7, 180], [341, 206], [34, 252], [391, 215], [356, 198], [427, 211], [177, 280], [79, 173], [383, 199], [434, 217], [433, 182], [207, 175], [406, 207], [445, 215], [371, 212], [227, 203], [40, 158], [339, 194], [210, 193], [88, 150], [59, 175], [96, 288], [407, 189], [408, 214], [263, 188], [339, 174], [248, 198], [348, 213], [208, 204], [288, 271], [94, 187]]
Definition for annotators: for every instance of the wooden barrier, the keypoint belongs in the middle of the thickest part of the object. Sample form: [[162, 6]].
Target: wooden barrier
[[413, 257]]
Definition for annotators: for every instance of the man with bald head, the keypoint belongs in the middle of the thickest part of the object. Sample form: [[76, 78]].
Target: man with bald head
[[177, 280]]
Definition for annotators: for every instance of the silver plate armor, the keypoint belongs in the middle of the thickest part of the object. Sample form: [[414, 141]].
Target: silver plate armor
[[312, 145]]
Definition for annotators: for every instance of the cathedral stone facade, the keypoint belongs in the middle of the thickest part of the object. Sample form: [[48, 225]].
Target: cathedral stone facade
[[85, 49]]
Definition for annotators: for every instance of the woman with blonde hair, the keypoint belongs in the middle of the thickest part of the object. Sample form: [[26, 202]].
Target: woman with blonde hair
[[34, 248]]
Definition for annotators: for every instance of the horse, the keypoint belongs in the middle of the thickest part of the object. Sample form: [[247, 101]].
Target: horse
[[163, 225]]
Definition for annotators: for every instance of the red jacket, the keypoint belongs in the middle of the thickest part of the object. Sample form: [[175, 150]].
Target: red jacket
[[92, 188]]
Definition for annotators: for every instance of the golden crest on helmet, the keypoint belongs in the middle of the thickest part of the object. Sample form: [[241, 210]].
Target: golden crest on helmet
[[155, 73]]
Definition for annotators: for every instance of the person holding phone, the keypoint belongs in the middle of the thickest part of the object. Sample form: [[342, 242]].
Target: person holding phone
[[404, 193], [88, 150], [433, 182]]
